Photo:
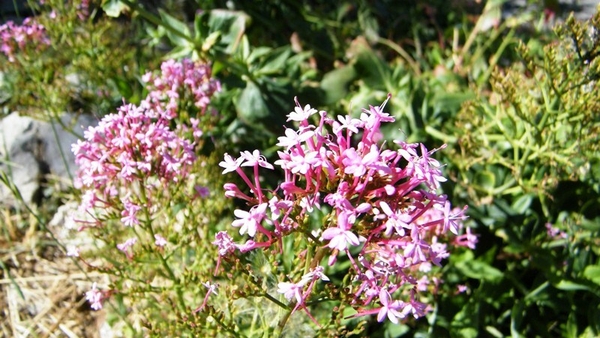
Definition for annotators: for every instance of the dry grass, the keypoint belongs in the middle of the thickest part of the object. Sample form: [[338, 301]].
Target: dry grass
[[41, 290]]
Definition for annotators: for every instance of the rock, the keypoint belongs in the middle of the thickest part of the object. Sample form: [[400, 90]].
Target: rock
[[30, 150], [582, 9]]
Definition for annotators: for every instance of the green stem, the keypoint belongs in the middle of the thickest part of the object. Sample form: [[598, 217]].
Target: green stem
[[403, 53], [282, 323], [162, 259]]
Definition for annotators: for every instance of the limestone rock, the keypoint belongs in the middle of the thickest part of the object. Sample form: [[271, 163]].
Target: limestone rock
[[30, 150]]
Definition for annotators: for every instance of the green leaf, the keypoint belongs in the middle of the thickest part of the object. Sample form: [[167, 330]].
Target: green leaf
[[468, 333], [451, 101], [335, 83], [479, 270], [231, 24], [571, 326], [258, 53], [180, 27], [494, 332], [486, 180], [591, 225], [571, 286], [251, 106], [123, 87], [180, 52], [210, 41], [516, 317], [113, 8], [373, 71], [396, 330], [522, 204], [592, 273], [275, 62]]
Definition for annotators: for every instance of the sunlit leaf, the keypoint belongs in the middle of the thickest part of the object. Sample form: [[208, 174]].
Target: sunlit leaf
[[183, 32], [592, 272], [113, 8], [335, 83], [231, 25], [479, 270], [251, 106]]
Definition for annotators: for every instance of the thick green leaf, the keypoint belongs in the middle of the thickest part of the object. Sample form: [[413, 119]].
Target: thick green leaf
[[479, 270], [275, 62], [335, 83], [373, 71], [251, 106], [231, 24], [591, 225], [592, 273], [451, 101], [123, 87], [522, 204], [258, 53], [113, 8], [182, 29], [210, 41], [516, 317], [486, 180], [571, 286], [571, 327], [494, 332], [396, 330]]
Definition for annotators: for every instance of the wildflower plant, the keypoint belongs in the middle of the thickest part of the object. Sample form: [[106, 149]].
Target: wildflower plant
[[145, 193], [357, 220]]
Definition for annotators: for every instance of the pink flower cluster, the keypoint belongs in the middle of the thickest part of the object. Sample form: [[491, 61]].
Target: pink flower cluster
[[95, 297], [382, 211], [137, 141], [13, 37], [178, 84], [121, 151], [133, 156]]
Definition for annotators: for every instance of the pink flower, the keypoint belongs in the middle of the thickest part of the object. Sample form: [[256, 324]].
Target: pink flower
[[301, 114], [201, 191], [95, 297], [355, 164], [178, 80], [383, 210], [255, 158], [72, 251], [224, 242], [340, 237], [248, 222], [292, 138], [124, 247], [19, 37], [230, 164], [130, 214], [554, 232], [390, 309], [160, 241], [315, 274], [292, 290], [467, 239], [396, 221], [212, 289]]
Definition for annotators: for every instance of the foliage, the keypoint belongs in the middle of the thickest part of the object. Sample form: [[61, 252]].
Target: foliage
[[516, 104], [84, 66], [527, 157]]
